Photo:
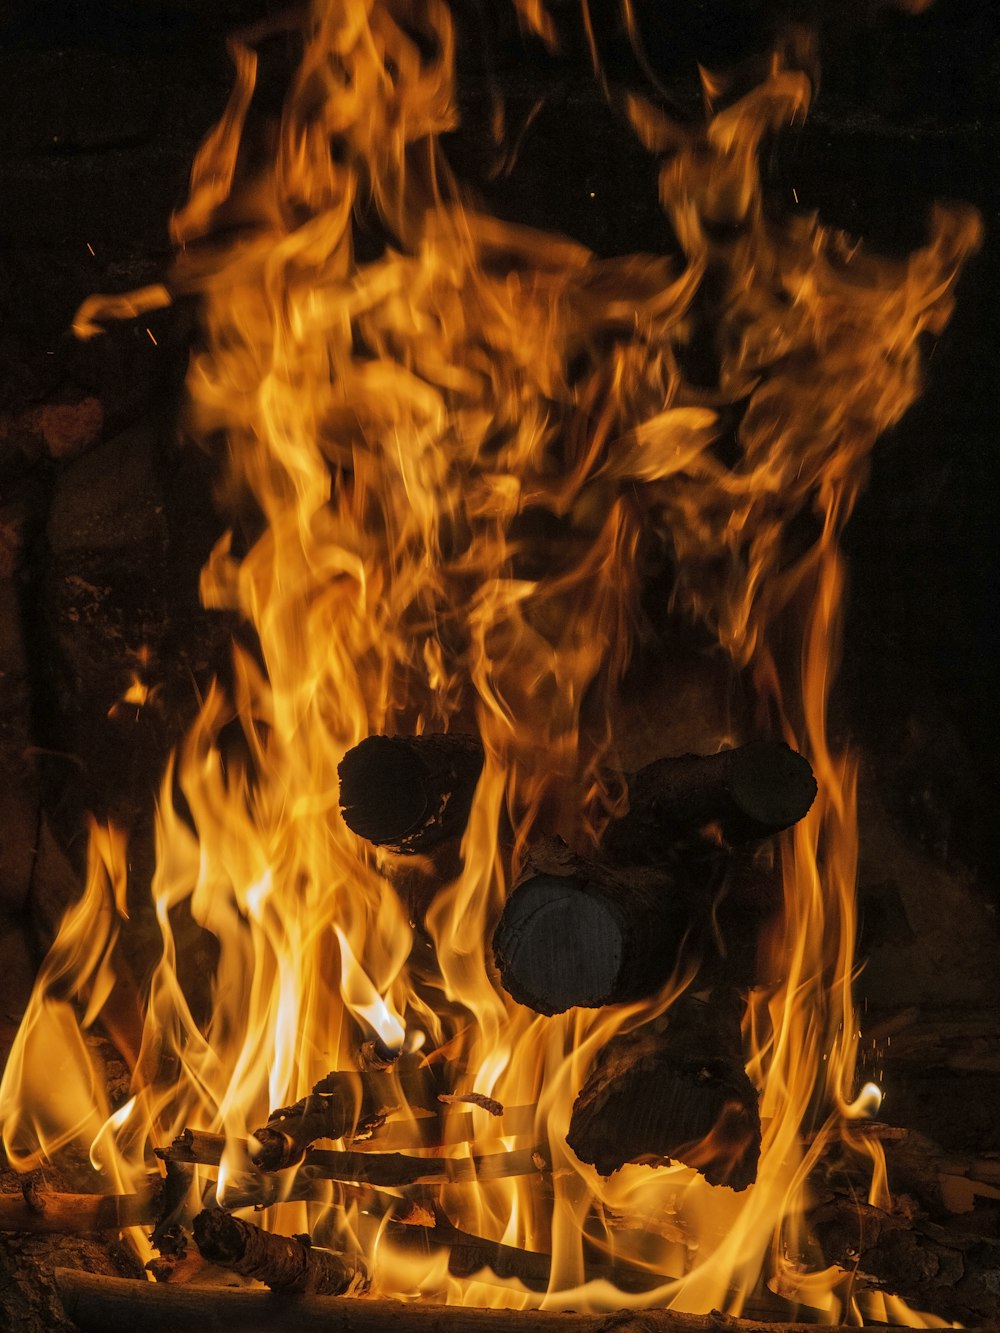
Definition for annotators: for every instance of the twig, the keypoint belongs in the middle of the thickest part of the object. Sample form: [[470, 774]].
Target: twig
[[285, 1263]]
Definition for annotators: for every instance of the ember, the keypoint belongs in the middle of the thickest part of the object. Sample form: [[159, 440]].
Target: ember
[[600, 993]]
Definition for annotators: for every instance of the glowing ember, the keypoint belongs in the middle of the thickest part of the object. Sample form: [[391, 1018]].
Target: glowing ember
[[461, 457]]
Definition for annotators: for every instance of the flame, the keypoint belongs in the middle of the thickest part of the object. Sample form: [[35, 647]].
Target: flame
[[394, 428]]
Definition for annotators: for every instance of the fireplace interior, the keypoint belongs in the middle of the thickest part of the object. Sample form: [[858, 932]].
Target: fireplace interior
[[109, 510]]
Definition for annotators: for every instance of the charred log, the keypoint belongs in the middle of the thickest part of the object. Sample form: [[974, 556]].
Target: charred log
[[575, 932], [116, 1305], [408, 793], [286, 1263], [674, 1089], [750, 793]]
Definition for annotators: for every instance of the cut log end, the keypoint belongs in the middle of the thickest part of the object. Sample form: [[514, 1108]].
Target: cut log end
[[557, 946], [409, 793], [772, 786], [382, 793]]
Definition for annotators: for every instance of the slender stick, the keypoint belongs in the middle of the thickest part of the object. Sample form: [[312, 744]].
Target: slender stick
[[284, 1263], [395, 1170], [469, 1255], [119, 1305], [50, 1212], [431, 1131]]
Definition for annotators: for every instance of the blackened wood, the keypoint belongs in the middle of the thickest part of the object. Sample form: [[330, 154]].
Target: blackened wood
[[334, 1115], [397, 1170], [407, 793], [285, 1263], [574, 932], [427, 1131], [469, 1255], [951, 1270], [750, 792], [674, 1089], [116, 1305]]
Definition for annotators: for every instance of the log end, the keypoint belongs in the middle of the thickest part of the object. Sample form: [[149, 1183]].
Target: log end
[[771, 785], [557, 946], [382, 794]]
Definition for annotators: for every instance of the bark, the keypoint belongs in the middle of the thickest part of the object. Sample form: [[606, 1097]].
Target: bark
[[673, 1089], [408, 793], [113, 1305], [285, 1263]]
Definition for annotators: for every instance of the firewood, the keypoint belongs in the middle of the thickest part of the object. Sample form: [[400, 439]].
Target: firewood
[[407, 793], [469, 1255], [285, 1263], [119, 1305], [48, 1211], [750, 793], [673, 1089], [397, 1170], [439, 1130], [574, 932]]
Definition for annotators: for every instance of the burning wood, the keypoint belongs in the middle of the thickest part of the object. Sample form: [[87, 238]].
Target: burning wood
[[48, 1210], [116, 1305], [674, 1089], [574, 932], [284, 1263], [407, 793], [750, 792]]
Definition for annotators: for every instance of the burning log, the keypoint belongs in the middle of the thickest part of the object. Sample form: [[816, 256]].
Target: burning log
[[47, 1211], [117, 1305], [574, 932], [341, 1112], [285, 1263], [407, 793], [674, 1089], [750, 792]]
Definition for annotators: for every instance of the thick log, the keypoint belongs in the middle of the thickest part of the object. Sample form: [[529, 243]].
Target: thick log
[[118, 1305], [283, 1263], [750, 793], [674, 1089], [408, 793], [574, 932], [577, 932]]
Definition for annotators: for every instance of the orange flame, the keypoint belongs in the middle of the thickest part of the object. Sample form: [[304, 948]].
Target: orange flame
[[394, 426]]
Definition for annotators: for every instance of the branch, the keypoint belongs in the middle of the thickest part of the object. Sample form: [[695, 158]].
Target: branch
[[285, 1263]]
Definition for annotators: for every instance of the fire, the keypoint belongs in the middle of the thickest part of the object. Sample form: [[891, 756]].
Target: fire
[[458, 459]]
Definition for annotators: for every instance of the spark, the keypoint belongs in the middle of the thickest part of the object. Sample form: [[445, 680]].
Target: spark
[[151, 338], [795, 194], [91, 249]]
